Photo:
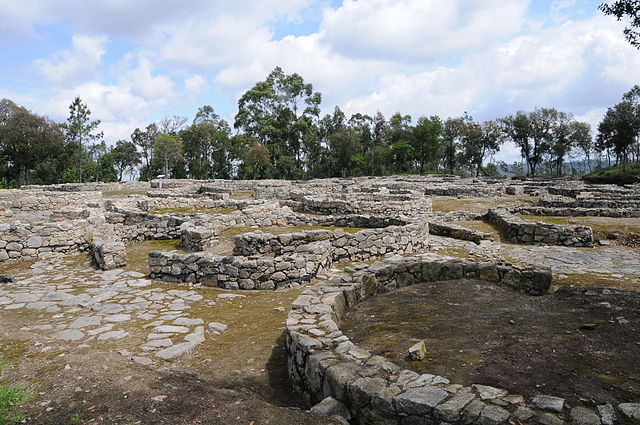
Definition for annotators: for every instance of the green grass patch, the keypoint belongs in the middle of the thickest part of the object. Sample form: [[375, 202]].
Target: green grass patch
[[11, 396], [243, 195], [138, 252], [630, 169], [12, 349]]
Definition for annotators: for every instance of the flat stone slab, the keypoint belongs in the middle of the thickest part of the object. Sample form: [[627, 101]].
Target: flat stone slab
[[70, 335], [118, 318], [184, 321], [112, 335], [84, 322], [631, 411], [549, 403], [230, 296], [176, 350], [218, 327], [145, 361], [419, 401], [171, 329], [486, 392]]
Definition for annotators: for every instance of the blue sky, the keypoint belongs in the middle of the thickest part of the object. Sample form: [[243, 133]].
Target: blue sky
[[136, 62]]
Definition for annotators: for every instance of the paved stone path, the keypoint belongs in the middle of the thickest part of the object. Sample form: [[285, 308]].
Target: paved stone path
[[89, 307], [612, 261]]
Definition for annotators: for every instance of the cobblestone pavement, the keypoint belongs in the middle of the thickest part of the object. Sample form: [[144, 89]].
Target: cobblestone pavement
[[77, 303]]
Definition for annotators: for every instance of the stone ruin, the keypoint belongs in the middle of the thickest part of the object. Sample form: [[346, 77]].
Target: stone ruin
[[382, 225]]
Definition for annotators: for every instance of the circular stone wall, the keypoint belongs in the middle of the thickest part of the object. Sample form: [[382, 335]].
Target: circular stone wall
[[324, 365]]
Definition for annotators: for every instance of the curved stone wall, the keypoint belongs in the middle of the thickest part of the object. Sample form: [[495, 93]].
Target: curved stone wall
[[324, 363], [298, 256]]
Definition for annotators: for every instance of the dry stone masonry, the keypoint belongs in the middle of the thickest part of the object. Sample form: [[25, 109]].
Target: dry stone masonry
[[328, 369], [517, 230], [295, 256], [352, 221], [109, 255]]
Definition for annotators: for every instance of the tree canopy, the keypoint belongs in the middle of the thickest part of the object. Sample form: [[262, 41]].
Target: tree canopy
[[630, 11]]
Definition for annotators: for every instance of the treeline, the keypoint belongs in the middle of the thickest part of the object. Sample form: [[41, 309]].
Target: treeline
[[279, 132]]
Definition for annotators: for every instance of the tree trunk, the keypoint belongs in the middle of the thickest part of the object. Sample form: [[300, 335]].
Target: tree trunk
[[22, 178]]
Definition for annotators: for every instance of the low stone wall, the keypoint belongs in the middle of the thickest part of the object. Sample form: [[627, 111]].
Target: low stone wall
[[342, 244], [90, 187], [458, 232], [151, 203], [323, 362], [109, 255], [17, 200], [517, 230], [34, 240], [376, 203], [197, 238], [564, 202], [464, 190], [578, 212], [238, 272], [298, 256]]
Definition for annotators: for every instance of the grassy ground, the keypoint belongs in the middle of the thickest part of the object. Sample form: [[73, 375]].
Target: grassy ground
[[631, 169], [447, 204], [11, 396]]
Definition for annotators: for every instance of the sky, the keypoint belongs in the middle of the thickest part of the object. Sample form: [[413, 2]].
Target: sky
[[136, 62]]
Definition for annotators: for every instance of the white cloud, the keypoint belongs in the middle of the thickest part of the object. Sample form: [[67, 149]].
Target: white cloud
[[143, 83], [79, 63], [195, 84], [419, 30], [119, 110], [141, 20], [558, 67]]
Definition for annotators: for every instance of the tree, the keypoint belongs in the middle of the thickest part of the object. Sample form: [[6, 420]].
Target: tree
[[428, 143], [532, 133], [207, 146], [125, 157], [618, 130], [256, 162], [80, 130], [583, 140], [26, 140], [171, 125], [451, 136], [144, 140], [479, 141], [626, 9], [168, 151], [403, 155], [278, 112]]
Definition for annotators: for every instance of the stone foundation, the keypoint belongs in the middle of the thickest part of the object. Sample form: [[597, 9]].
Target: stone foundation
[[296, 256], [324, 363], [517, 230], [198, 238], [458, 232], [109, 255]]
